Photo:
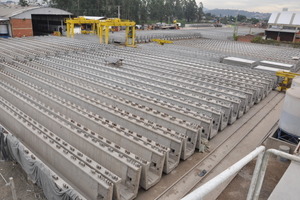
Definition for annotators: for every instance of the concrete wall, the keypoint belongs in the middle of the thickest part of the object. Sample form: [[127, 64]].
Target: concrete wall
[[21, 27]]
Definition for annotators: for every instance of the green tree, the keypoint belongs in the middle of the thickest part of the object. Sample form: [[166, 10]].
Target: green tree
[[231, 19], [190, 10], [241, 18], [141, 11], [169, 10], [209, 16], [178, 9], [254, 20], [156, 9], [23, 3], [200, 12], [224, 20]]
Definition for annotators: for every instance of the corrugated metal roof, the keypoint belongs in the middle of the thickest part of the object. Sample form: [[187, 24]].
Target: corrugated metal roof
[[12, 11], [9, 11], [282, 30], [285, 18]]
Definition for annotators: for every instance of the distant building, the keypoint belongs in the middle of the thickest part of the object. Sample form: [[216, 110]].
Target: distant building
[[17, 21], [284, 26]]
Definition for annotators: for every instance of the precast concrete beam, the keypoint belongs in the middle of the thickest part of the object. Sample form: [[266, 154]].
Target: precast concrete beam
[[180, 69], [114, 76], [90, 183], [152, 79], [169, 73], [184, 73], [23, 153], [56, 122], [202, 120], [177, 71], [190, 131], [237, 99], [147, 128], [229, 105], [204, 109], [102, 151], [193, 65], [185, 68], [22, 48], [179, 85], [134, 110]]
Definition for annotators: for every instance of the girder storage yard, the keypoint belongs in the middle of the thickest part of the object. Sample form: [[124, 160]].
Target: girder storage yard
[[186, 33], [248, 50], [108, 132]]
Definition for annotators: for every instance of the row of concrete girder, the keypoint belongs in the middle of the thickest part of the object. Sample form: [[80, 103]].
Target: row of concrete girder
[[35, 168], [156, 123]]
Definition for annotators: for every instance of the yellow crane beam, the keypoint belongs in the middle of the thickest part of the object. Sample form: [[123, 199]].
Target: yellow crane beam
[[162, 42], [286, 80]]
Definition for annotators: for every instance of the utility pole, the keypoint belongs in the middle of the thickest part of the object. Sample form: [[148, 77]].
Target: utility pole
[[119, 13], [235, 32]]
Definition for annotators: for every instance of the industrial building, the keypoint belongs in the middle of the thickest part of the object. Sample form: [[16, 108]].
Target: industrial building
[[284, 26], [102, 121], [17, 21]]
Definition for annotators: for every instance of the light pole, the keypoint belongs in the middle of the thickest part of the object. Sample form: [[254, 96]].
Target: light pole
[[119, 13], [235, 32]]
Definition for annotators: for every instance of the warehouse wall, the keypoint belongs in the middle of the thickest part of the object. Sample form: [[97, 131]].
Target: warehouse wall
[[283, 36], [297, 39], [21, 27]]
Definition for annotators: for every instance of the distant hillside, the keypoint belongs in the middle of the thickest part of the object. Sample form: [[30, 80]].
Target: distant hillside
[[229, 12]]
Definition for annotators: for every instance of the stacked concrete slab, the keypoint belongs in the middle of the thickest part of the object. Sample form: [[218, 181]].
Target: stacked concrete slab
[[239, 62], [250, 51], [280, 66], [138, 120]]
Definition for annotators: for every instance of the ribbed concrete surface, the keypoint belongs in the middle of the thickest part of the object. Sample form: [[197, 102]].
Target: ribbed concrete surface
[[135, 121]]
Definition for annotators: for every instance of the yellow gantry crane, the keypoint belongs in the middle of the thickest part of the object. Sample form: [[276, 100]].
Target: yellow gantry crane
[[79, 21], [102, 27], [286, 80]]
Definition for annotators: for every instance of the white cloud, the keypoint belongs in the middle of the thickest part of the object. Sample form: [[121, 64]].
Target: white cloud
[[253, 5]]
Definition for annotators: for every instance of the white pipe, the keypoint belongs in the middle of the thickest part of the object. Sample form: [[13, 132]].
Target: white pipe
[[208, 187]]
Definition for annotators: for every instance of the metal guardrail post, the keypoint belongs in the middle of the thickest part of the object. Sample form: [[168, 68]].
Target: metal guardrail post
[[255, 176], [13, 188], [11, 183], [208, 187]]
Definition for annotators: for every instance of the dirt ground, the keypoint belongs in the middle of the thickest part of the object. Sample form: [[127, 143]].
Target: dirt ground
[[238, 188], [25, 189]]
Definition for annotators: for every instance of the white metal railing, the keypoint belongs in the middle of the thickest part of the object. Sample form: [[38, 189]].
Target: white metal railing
[[208, 187], [258, 174], [263, 168]]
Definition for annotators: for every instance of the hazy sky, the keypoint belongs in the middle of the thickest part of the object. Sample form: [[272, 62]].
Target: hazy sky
[[253, 5]]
